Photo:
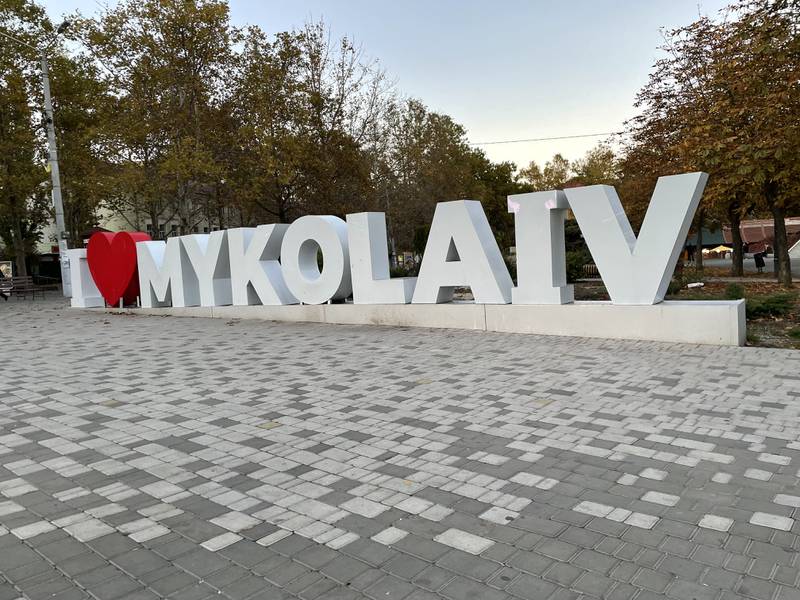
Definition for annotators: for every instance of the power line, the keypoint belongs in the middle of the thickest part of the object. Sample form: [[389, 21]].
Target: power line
[[12, 38], [545, 139]]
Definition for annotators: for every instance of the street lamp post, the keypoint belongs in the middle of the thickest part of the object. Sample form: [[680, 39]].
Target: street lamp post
[[55, 177], [52, 160]]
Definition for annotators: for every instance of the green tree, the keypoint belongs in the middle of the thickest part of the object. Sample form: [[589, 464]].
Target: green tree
[[167, 63], [724, 100], [556, 172], [758, 72], [429, 160], [23, 203], [345, 101], [496, 182], [82, 107], [600, 165], [265, 105]]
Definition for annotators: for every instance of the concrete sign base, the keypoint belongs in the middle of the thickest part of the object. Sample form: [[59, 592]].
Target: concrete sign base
[[693, 322]]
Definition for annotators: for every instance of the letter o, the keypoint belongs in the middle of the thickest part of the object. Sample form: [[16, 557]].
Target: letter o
[[302, 240]]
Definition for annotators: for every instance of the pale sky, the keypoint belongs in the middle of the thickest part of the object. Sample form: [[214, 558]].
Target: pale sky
[[505, 69]]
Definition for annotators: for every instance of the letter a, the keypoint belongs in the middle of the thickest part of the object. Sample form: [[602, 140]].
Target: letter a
[[461, 251]]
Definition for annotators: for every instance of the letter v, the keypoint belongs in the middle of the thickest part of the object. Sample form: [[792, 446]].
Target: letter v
[[637, 271]]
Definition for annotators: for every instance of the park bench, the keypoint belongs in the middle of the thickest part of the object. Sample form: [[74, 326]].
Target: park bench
[[590, 271], [25, 286]]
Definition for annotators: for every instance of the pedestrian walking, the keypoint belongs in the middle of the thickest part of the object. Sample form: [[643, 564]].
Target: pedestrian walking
[[759, 258]]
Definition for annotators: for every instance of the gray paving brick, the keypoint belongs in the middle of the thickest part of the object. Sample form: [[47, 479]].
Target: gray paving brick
[[681, 567], [286, 573], [593, 584], [594, 561], [173, 582], [531, 587], [461, 587], [433, 578], [389, 588], [787, 593], [563, 574], [687, 590], [719, 578], [140, 595], [652, 580], [116, 588], [557, 549], [530, 562], [320, 589], [756, 588], [200, 562], [366, 579], [622, 591], [405, 566], [422, 595], [344, 568], [468, 565], [503, 578]]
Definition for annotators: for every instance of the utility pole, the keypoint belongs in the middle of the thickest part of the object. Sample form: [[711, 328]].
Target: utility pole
[[52, 158], [55, 177]]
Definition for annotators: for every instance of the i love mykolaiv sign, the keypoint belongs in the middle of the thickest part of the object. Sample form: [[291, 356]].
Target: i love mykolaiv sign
[[277, 264]]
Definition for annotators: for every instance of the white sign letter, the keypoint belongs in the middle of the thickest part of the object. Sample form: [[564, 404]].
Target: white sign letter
[[637, 271], [541, 260], [208, 254], [369, 262], [256, 275], [461, 251], [84, 291], [166, 277], [303, 239]]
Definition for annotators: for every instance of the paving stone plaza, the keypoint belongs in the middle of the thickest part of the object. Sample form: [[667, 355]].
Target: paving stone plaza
[[162, 457]]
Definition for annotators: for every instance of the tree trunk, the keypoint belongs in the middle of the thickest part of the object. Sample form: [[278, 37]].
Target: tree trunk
[[155, 226], [19, 249], [735, 219], [783, 266], [698, 254], [220, 210], [283, 216]]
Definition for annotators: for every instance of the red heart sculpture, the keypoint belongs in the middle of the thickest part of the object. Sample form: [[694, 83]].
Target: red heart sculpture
[[113, 265]]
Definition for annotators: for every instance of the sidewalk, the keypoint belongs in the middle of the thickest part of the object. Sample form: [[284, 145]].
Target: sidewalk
[[155, 457]]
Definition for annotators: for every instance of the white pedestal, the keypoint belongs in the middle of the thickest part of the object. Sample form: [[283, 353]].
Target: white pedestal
[[692, 322]]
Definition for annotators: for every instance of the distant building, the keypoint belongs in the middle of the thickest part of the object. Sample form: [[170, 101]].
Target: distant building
[[44, 263], [759, 235], [709, 238]]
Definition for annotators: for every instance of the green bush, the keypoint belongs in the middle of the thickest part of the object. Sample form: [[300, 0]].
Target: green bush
[[511, 265], [734, 291], [404, 271], [692, 274], [753, 339], [676, 284], [795, 333], [774, 305], [575, 261]]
